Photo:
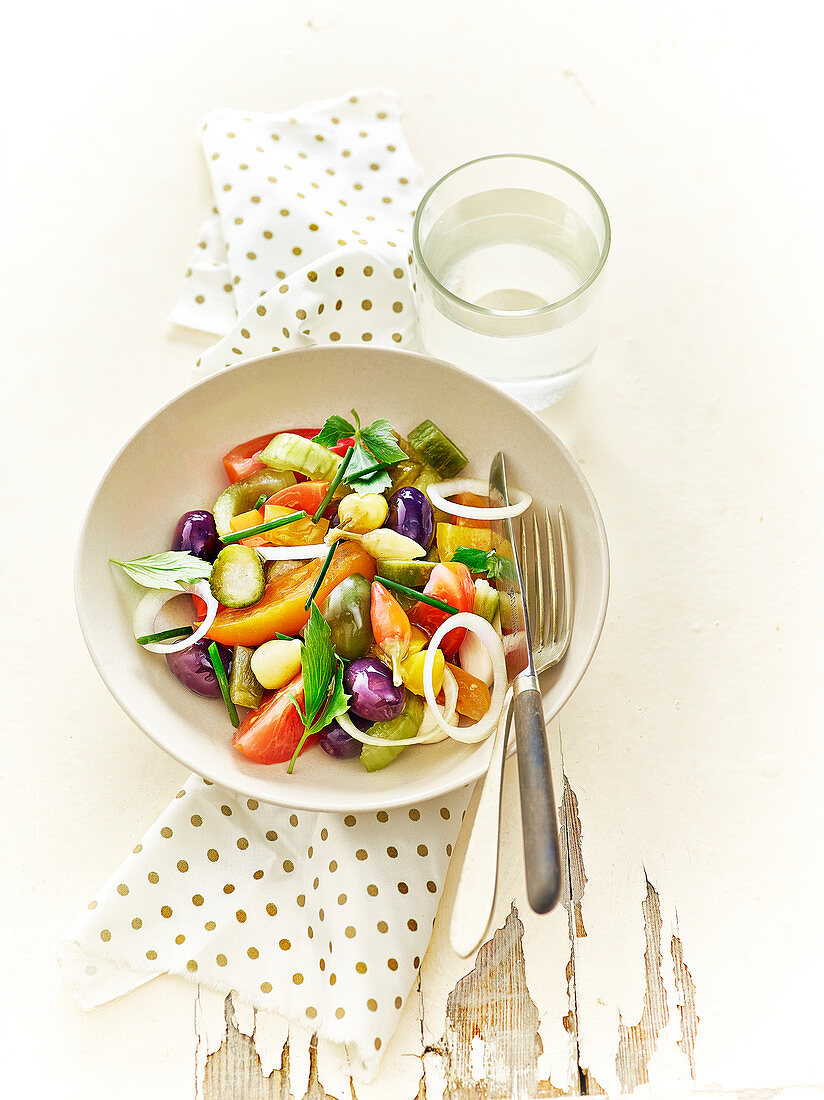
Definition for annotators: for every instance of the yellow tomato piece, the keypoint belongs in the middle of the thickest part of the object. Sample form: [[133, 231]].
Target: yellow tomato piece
[[418, 642], [245, 520], [300, 533], [450, 536], [412, 671]]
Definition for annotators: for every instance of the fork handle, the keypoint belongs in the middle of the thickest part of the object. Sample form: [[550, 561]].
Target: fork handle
[[542, 856]]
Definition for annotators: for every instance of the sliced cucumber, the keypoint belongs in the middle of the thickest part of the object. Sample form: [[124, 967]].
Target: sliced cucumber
[[486, 600], [429, 444], [414, 574], [237, 576], [244, 495], [292, 452], [244, 689]]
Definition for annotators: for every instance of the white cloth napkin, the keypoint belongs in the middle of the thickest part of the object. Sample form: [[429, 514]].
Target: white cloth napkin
[[310, 236], [321, 918]]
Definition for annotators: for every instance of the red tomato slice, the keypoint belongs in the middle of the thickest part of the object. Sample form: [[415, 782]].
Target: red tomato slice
[[270, 734], [243, 460], [452, 583], [307, 496]]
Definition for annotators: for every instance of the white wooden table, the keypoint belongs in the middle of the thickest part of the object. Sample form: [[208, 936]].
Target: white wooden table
[[688, 955]]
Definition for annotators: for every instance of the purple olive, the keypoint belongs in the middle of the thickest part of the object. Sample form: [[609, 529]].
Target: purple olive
[[373, 696], [193, 667], [335, 741], [410, 514], [196, 532]]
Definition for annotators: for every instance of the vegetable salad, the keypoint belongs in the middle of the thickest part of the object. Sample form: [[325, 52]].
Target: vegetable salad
[[340, 595]]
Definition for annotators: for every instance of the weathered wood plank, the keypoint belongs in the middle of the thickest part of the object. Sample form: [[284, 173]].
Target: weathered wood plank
[[490, 1045]]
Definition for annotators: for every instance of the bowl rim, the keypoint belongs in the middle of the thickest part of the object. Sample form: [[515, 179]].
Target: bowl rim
[[388, 800]]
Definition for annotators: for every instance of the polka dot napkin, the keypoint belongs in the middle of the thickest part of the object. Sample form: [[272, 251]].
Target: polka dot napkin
[[321, 918], [309, 239]]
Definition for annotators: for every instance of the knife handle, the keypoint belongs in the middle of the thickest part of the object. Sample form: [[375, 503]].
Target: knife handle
[[539, 820]]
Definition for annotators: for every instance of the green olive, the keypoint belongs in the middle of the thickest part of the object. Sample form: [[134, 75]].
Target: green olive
[[347, 610]]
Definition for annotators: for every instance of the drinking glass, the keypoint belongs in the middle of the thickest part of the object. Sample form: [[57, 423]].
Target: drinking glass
[[509, 253]]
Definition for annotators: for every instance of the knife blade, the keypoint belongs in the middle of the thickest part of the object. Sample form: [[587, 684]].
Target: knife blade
[[542, 857]]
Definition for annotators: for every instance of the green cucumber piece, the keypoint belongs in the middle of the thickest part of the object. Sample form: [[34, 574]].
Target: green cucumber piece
[[414, 574], [243, 495], [486, 600], [237, 576], [428, 443], [407, 724], [292, 452], [244, 689]]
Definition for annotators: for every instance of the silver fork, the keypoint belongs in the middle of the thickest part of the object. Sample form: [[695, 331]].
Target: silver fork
[[550, 614]]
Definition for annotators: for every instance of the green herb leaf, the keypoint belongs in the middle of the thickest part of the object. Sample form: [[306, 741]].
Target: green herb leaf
[[171, 569], [374, 482], [481, 561], [379, 439], [361, 463], [375, 449], [333, 431], [317, 656], [338, 702]]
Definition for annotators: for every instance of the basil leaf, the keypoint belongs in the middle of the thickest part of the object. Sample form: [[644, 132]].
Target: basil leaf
[[167, 570], [333, 431]]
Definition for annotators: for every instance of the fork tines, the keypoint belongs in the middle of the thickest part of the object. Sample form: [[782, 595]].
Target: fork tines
[[552, 624]]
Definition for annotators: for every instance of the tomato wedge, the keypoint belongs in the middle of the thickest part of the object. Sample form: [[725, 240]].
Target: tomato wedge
[[452, 583], [307, 496], [270, 734], [243, 459], [281, 610]]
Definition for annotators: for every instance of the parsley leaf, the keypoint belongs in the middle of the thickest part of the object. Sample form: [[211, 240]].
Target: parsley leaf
[[317, 658], [323, 694], [374, 481], [168, 570], [379, 439], [375, 448], [333, 431], [481, 561]]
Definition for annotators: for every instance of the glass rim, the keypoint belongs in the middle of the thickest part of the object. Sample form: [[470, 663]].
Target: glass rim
[[511, 314]]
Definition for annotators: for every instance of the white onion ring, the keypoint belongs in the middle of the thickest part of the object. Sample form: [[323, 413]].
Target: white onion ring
[[470, 735], [441, 490], [293, 553], [346, 723], [475, 658], [430, 723], [143, 620]]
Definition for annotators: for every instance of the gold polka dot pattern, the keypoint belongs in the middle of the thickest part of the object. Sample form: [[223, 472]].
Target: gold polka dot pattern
[[325, 195]]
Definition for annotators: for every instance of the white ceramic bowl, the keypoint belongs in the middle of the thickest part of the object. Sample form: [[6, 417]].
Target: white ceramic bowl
[[172, 464]]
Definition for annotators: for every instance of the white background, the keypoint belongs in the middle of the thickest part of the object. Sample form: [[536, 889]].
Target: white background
[[694, 744]]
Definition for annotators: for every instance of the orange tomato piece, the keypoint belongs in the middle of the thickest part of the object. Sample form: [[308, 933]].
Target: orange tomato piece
[[244, 521], [471, 500], [473, 694], [280, 610]]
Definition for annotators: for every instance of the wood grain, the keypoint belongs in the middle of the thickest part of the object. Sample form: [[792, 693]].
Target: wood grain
[[491, 1037]]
